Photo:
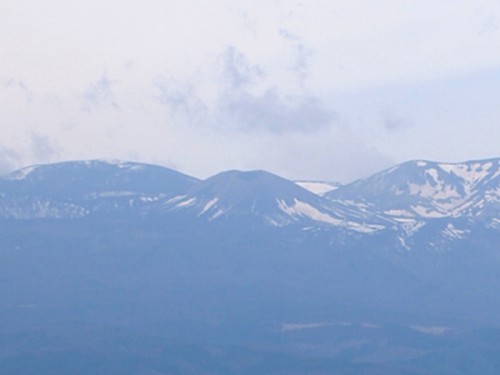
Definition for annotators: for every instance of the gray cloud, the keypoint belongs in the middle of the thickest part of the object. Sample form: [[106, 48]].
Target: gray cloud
[[42, 147], [183, 101], [99, 94], [238, 107], [270, 112], [391, 121], [303, 55], [237, 72]]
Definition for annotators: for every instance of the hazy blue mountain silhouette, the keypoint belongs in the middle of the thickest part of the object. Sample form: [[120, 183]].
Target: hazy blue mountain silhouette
[[129, 268]]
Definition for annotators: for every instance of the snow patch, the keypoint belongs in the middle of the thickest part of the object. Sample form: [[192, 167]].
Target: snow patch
[[495, 223], [402, 240], [364, 228], [286, 327], [316, 187], [20, 174], [403, 213], [411, 227], [471, 173], [300, 208], [209, 205], [112, 194], [433, 173], [452, 232], [439, 191], [41, 209], [217, 214], [116, 162], [431, 330], [428, 213], [187, 202], [149, 198], [175, 199]]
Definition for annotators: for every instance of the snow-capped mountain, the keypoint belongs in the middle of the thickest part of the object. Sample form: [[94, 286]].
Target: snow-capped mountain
[[428, 190], [419, 199], [241, 254], [267, 198], [80, 179], [77, 188]]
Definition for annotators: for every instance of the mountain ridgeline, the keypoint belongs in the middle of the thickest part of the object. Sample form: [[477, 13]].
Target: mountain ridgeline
[[403, 200], [148, 270]]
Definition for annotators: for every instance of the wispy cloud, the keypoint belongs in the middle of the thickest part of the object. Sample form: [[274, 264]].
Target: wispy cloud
[[303, 55], [183, 100], [42, 147], [244, 101], [287, 76], [99, 94], [392, 121], [15, 84], [9, 159], [237, 72]]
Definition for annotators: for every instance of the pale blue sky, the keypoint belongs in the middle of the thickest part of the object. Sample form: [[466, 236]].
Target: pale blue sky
[[331, 89]]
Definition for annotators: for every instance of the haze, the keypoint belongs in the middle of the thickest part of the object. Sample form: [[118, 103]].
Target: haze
[[315, 90]]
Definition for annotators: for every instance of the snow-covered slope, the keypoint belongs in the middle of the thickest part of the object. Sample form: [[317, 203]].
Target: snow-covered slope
[[427, 190], [264, 197], [431, 204]]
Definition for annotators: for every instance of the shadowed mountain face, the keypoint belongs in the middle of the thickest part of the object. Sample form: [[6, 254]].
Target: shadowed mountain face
[[81, 179], [116, 267], [77, 189], [262, 197]]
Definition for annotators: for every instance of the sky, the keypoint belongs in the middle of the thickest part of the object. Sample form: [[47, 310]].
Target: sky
[[317, 89]]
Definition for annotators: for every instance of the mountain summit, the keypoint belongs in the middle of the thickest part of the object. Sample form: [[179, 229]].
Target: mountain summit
[[425, 190], [265, 197], [79, 188]]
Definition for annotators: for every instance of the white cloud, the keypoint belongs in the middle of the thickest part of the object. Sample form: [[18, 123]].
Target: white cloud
[[202, 84]]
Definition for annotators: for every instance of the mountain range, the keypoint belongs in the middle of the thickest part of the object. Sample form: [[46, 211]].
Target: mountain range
[[386, 273], [406, 198]]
